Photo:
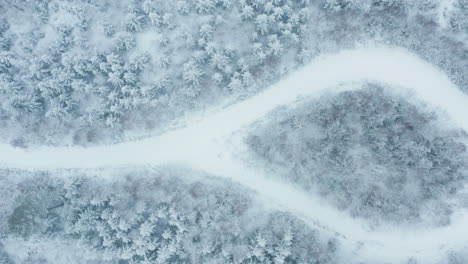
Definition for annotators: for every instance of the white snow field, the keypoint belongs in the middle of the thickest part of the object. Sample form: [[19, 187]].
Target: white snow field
[[213, 143]]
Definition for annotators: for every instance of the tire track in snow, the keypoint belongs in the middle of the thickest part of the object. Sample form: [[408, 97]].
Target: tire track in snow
[[212, 144]]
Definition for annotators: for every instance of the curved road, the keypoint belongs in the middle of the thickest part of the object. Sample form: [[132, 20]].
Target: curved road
[[214, 144]]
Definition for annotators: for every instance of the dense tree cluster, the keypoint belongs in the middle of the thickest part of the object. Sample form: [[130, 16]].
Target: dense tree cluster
[[154, 217], [371, 153], [91, 77]]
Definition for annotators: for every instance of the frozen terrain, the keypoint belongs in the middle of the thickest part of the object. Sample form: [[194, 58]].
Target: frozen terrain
[[212, 142], [99, 72]]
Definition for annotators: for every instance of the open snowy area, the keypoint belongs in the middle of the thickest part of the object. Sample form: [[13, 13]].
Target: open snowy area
[[234, 131]]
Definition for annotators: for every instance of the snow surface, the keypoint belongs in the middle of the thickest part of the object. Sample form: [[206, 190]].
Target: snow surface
[[213, 143]]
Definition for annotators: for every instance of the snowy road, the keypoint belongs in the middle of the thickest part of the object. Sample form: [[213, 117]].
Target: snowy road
[[213, 144]]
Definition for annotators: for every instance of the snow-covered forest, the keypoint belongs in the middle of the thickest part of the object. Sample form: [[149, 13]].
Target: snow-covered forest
[[372, 153], [88, 72], [189, 131], [172, 215]]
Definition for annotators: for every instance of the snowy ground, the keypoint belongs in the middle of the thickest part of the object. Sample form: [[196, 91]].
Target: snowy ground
[[212, 142]]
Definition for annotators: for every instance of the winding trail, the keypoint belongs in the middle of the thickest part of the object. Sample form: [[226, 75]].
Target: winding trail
[[214, 144]]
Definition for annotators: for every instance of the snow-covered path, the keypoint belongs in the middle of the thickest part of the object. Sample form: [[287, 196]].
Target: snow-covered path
[[213, 144]]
